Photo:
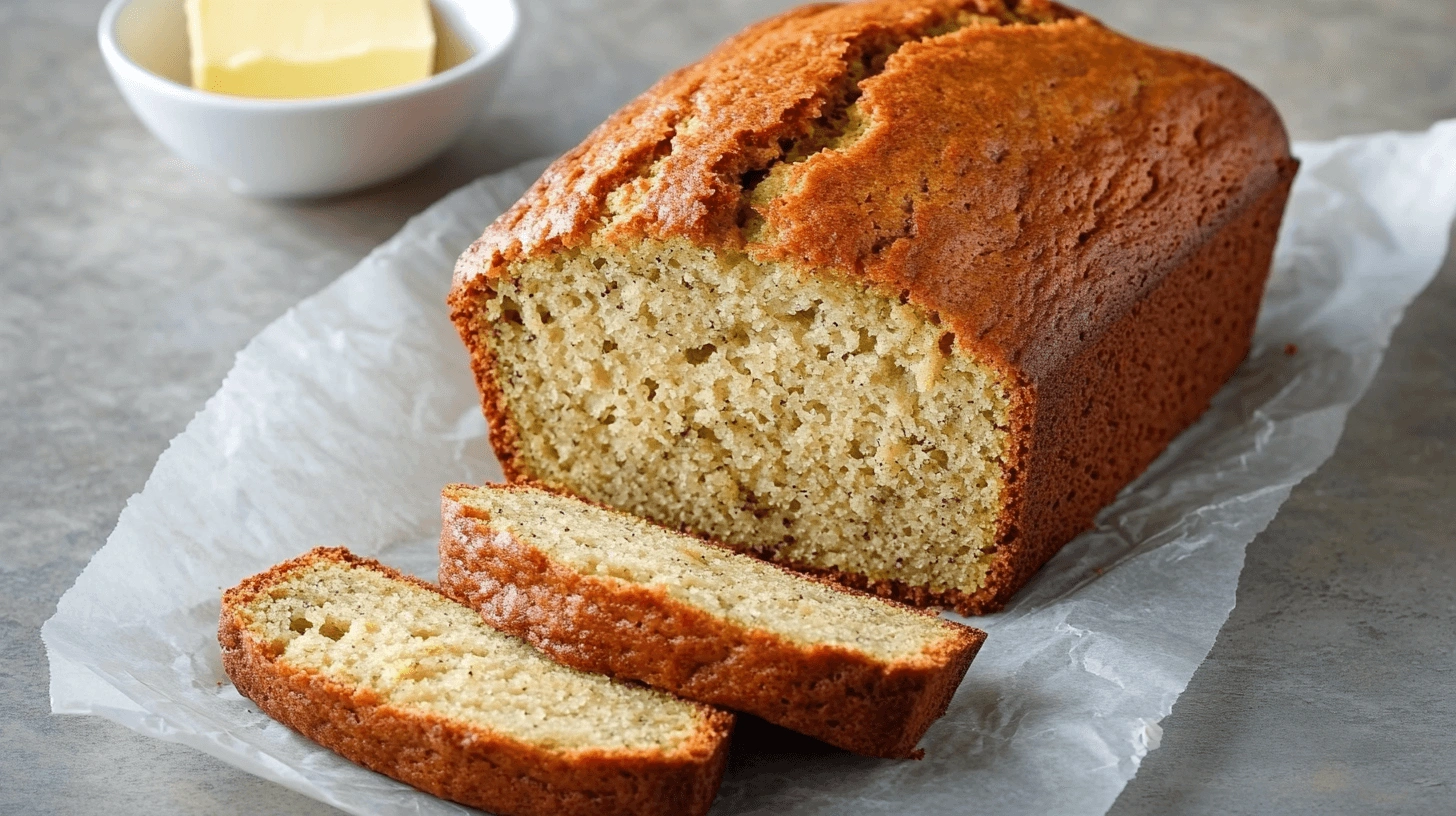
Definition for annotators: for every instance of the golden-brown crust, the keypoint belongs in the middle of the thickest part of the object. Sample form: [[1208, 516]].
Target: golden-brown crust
[[1118, 404], [835, 694], [453, 760], [1034, 187], [1026, 183]]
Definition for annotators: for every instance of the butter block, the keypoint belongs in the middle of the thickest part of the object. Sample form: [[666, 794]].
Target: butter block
[[308, 48]]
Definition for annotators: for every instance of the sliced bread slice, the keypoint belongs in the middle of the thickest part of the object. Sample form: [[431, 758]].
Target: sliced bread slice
[[387, 671], [604, 591]]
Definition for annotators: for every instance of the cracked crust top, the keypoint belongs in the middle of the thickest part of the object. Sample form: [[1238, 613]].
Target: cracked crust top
[[1016, 169]]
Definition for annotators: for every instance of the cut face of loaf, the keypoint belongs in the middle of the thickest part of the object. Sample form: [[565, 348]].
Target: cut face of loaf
[[395, 676], [902, 292], [603, 591], [811, 421]]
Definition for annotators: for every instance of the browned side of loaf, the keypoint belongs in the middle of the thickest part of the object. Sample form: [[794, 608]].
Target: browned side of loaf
[[1117, 404], [605, 625], [1091, 215], [1114, 407], [456, 761]]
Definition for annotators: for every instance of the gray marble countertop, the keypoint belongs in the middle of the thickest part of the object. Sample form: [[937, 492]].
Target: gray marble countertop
[[128, 280]]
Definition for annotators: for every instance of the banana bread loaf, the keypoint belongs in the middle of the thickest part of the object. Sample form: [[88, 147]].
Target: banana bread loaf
[[395, 676], [902, 292], [603, 591]]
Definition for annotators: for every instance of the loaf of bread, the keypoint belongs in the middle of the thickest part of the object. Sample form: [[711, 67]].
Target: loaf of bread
[[604, 591], [902, 292], [395, 676]]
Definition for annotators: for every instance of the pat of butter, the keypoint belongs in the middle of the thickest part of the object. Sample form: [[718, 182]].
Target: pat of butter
[[305, 48]]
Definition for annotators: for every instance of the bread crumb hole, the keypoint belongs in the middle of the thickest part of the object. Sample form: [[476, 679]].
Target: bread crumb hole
[[700, 355], [866, 342]]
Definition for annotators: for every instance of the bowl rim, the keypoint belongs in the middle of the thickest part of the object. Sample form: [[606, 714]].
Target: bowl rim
[[118, 59]]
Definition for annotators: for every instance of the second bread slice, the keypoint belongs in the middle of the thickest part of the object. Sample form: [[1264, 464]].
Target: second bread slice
[[604, 591]]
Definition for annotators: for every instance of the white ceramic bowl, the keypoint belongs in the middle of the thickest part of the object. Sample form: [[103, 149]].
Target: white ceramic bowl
[[289, 148]]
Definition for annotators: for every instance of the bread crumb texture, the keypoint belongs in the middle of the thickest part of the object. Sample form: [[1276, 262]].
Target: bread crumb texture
[[603, 544], [804, 418], [426, 654]]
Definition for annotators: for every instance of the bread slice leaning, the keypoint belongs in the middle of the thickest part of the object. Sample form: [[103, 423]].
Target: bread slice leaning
[[387, 671], [604, 591]]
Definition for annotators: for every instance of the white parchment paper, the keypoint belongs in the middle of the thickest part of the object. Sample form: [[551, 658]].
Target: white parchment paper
[[341, 421]]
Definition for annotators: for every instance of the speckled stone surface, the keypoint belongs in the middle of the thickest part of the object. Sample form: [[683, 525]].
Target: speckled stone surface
[[129, 280]]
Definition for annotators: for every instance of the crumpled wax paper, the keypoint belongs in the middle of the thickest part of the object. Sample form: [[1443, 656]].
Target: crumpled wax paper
[[340, 422]]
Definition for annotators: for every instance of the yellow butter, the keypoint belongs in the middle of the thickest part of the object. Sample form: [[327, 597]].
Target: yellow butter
[[306, 48]]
